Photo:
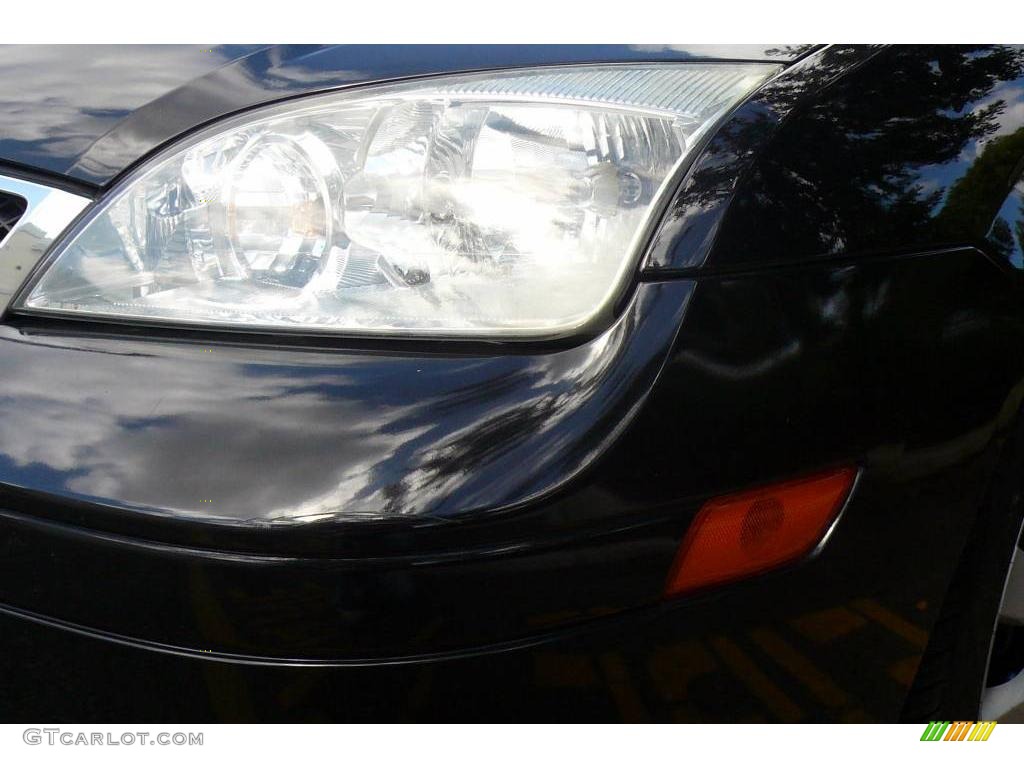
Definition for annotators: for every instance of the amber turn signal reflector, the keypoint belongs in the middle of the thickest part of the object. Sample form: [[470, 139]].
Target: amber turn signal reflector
[[752, 532]]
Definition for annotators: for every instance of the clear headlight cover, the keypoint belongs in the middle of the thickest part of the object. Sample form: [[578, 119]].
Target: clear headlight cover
[[507, 204]]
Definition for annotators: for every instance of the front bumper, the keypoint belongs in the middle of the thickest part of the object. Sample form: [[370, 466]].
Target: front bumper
[[553, 602]]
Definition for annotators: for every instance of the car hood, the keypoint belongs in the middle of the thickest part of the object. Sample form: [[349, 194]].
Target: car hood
[[89, 112]]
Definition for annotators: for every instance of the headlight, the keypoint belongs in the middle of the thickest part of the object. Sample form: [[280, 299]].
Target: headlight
[[506, 204]]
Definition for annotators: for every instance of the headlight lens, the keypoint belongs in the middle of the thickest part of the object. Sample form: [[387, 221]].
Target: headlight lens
[[507, 204]]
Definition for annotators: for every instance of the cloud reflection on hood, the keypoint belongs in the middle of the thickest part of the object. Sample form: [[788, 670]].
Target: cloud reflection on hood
[[58, 100]]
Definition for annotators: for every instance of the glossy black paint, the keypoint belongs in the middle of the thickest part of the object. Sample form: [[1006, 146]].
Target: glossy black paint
[[262, 436], [903, 148], [541, 492], [691, 224], [606, 542]]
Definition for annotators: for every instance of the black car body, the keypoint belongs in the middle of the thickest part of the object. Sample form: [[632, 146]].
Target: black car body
[[836, 282]]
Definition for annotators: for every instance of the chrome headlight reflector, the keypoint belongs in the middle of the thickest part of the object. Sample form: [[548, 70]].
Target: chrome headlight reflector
[[506, 204]]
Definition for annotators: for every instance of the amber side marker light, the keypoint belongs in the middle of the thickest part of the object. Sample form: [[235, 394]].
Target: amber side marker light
[[748, 533]]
